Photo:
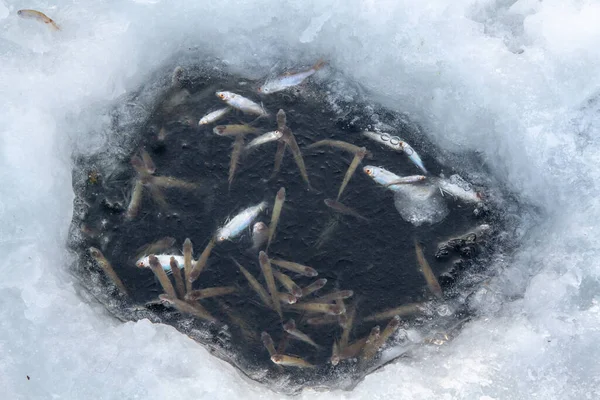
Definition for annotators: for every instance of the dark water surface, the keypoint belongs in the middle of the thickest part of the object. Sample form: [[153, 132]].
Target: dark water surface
[[376, 260]]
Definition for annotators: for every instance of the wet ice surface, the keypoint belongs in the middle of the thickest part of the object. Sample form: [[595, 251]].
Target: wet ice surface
[[375, 259]]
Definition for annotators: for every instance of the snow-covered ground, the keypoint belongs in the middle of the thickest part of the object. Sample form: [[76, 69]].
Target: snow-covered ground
[[516, 81]]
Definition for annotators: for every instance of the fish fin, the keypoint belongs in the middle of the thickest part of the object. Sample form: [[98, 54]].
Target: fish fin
[[444, 192]]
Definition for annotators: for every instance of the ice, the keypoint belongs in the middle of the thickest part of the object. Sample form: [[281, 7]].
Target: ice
[[456, 67], [420, 204]]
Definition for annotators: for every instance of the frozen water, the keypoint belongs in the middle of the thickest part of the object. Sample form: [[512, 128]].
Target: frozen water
[[419, 204], [515, 81]]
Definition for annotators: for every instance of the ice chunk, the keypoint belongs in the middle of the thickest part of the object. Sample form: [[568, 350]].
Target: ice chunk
[[420, 204]]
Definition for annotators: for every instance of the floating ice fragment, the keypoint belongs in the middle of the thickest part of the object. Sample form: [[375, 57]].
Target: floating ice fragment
[[419, 204]]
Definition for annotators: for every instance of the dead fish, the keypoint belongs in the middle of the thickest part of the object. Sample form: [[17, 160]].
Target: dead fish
[[358, 157], [344, 209], [240, 222], [313, 287], [290, 327], [38, 16], [288, 284], [255, 285], [404, 310], [234, 130], [432, 282], [265, 266], [210, 292], [241, 103], [201, 263], [184, 307], [260, 234], [289, 80], [404, 180], [214, 116], [331, 309], [264, 138], [238, 145], [105, 265], [397, 144], [279, 200], [295, 267], [290, 361], [162, 276], [351, 148]]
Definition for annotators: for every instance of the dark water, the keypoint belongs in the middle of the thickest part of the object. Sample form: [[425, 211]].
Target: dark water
[[376, 260]]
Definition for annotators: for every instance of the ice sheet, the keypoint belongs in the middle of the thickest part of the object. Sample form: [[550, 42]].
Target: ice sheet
[[516, 81]]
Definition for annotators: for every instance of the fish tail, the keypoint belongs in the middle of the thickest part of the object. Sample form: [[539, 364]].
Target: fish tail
[[53, 24], [320, 64]]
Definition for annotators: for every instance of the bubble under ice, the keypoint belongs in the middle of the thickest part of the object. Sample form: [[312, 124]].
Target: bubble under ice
[[515, 81]]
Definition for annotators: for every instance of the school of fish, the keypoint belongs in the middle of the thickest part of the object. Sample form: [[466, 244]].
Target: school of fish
[[287, 288]]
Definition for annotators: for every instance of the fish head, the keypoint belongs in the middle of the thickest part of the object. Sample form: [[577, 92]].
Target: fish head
[[219, 129], [141, 263], [370, 170], [259, 227], [225, 95], [277, 358], [94, 252], [264, 89]]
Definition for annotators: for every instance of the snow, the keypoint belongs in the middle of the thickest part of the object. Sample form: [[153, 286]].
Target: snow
[[515, 81]]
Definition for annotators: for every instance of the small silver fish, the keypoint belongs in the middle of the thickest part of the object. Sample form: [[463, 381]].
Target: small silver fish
[[163, 259], [397, 144], [241, 103], [240, 222], [289, 80], [214, 116], [265, 138]]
